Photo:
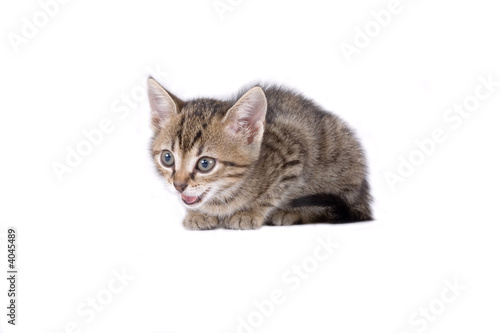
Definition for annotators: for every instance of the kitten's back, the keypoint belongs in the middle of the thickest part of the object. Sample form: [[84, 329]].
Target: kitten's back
[[332, 181]]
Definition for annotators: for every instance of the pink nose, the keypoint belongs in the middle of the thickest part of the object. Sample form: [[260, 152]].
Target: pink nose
[[180, 186]]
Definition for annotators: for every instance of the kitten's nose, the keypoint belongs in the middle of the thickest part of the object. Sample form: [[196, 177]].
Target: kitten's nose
[[180, 186]]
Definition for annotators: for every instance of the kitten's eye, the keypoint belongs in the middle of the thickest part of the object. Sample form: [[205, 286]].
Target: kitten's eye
[[167, 158], [205, 164]]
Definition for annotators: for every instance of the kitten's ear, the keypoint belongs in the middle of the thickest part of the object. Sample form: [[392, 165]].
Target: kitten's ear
[[247, 116], [163, 105]]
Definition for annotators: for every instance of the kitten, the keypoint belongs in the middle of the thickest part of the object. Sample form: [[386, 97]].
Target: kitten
[[269, 157]]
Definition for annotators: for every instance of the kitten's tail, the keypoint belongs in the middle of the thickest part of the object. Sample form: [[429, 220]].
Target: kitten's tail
[[339, 209]]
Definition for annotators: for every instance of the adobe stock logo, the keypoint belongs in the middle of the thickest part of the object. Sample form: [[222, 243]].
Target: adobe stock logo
[[380, 20], [293, 277], [31, 26], [425, 315], [224, 6], [121, 108], [453, 118], [95, 305]]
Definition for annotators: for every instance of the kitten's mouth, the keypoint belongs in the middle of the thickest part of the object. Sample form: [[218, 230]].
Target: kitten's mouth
[[193, 200]]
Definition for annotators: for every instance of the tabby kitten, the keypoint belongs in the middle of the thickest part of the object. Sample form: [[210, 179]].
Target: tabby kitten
[[269, 157]]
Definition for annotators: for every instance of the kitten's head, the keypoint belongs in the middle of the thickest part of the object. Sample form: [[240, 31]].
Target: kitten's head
[[204, 147]]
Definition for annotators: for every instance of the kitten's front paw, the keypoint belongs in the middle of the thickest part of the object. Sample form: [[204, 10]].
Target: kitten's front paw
[[243, 220], [281, 217], [197, 221]]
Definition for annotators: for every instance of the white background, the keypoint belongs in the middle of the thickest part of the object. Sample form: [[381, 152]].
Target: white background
[[112, 213]]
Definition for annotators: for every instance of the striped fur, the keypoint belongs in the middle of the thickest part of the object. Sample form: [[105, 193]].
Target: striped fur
[[301, 165]]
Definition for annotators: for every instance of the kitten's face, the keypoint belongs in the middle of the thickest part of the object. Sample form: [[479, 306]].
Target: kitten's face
[[204, 148], [197, 157]]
